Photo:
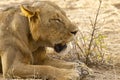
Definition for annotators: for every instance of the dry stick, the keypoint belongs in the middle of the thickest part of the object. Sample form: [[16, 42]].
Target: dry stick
[[93, 32], [78, 55], [83, 44]]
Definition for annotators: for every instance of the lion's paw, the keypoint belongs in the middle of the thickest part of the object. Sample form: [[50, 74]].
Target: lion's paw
[[73, 75], [83, 69]]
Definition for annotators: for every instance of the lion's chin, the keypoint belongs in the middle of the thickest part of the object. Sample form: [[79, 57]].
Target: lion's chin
[[59, 47]]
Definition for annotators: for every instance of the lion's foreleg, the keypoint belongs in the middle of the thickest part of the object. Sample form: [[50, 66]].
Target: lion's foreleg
[[41, 58], [60, 63], [15, 65], [44, 72]]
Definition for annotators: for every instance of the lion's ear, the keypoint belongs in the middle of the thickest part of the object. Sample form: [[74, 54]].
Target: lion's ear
[[34, 21], [26, 12]]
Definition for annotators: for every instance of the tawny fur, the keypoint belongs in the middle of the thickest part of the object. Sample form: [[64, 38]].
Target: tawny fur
[[23, 38]]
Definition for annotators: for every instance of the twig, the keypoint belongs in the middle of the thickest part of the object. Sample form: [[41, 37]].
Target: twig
[[94, 27], [93, 32]]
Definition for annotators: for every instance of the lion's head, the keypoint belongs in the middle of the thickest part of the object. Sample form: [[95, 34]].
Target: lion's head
[[49, 23]]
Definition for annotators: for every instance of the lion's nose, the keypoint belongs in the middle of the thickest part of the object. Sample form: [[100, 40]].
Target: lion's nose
[[74, 32]]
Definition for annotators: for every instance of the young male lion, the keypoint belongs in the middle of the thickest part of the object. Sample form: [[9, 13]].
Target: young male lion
[[25, 31]]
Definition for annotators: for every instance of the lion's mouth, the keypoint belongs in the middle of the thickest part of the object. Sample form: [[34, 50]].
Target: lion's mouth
[[59, 47]]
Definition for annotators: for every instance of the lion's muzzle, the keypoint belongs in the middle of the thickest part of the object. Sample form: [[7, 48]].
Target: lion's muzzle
[[59, 47]]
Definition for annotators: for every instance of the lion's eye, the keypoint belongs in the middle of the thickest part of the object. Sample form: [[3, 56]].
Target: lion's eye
[[57, 20]]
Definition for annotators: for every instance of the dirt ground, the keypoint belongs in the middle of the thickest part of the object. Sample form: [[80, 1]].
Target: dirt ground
[[79, 12]]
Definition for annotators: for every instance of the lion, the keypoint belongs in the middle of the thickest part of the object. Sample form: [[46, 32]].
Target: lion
[[25, 32]]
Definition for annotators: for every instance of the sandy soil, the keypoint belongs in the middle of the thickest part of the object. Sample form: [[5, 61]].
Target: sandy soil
[[79, 12]]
